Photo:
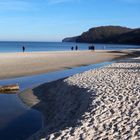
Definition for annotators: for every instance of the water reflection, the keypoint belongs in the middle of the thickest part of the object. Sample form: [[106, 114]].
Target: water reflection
[[17, 121]]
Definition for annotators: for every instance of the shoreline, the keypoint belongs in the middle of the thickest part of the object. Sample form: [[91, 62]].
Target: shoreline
[[15, 65], [85, 105]]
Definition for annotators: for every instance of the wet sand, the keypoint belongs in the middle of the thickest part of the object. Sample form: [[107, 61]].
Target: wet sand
[[24, 64], [98, 104]]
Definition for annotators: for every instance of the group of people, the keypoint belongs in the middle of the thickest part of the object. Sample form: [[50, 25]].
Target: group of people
[[72, 48], [76, 48]]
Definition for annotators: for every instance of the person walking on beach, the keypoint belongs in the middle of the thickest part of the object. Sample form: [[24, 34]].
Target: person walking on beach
[[72, 48], [76, 48], [23, 48]]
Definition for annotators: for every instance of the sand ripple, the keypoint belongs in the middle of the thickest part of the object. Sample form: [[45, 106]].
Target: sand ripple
[[114, 112]]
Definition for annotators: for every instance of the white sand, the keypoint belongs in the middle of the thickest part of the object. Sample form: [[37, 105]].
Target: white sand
[[101, 104], [115, 111], [22, 64]]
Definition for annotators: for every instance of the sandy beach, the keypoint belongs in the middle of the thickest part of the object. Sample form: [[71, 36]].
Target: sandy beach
[[98, 104], [23, 64]]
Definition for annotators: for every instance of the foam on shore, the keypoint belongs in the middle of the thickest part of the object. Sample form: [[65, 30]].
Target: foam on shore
[[97, 104]]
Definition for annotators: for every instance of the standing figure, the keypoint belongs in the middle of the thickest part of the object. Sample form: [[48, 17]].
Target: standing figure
[[23, 48], [72, 48], [76, 48], [91, 47]]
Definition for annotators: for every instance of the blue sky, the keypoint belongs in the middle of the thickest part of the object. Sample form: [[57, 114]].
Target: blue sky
[[52, 20]]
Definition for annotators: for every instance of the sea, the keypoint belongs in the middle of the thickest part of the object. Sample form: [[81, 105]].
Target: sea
[[8, 46]]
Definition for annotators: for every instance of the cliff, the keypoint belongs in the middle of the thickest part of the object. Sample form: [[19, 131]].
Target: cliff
[[108, 34], [70, 39]]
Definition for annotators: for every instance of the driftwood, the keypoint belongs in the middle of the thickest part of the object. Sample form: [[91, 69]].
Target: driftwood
[[9, 88]]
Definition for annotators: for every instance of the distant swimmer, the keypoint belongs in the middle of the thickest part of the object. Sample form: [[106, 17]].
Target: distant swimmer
[[23, 48]]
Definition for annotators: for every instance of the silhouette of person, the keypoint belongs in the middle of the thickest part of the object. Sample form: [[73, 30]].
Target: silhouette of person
[[91, 47], [23, 48], [76, 48], [72, 48]]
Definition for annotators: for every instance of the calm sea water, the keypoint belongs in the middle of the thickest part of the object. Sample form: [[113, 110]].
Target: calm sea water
[[57, 46]]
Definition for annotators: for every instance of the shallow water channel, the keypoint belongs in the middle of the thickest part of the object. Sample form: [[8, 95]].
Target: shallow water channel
[[17, 121]]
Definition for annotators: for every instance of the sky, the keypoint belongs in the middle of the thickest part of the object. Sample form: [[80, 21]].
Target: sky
[[53, 20]]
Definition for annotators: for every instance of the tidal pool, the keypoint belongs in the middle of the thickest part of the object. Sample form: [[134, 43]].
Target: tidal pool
[[18, 121]]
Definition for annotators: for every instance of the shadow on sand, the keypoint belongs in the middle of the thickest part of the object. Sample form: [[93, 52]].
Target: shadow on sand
[[62, 105]]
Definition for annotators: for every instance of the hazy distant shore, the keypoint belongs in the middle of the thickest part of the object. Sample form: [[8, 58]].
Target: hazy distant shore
[[97, 104], [30, 63]]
